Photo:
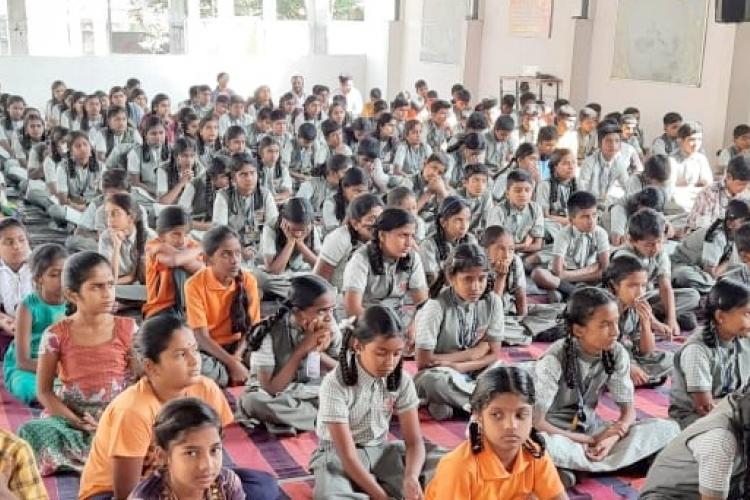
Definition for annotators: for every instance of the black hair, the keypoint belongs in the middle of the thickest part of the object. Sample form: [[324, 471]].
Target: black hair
[[307, 131], [646, 223], [173, 173], [158, 99], [76, 96], [450, 206], [278, 115], [554, 159], [233, 132], [742, 238], [92, 164], [185, 117], [508, 100], [183, 415], [492, 234], [657, 168], [726, 294], [77, 270], [266, 142], [614, 116], [154, 335], [497, 381], [85, 120], [476, 169], [439, 104], [523, 150], [548, 133], [566, 111], [377, 321], [504, 122], [44, 256], [736, 210], [116, 178], [389, 220], [397, 195], [620, 268], [671, 118], [477, 121], [129, 205], [468, 256], [740, 130], [648, 197], [201, 142], [580, 200], [527, 97], [25, 138], [109, 135], [296, 210], [358, 208], [55, 136], [305, 289], [237, 162], [369, 147], [238, 316], [171, 217], [354, 176], [605, 128], [152, 122], [517, 176], [587, 113], [738, 168], [689, 128]]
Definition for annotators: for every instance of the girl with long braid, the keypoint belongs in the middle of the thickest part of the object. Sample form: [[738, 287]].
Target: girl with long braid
[[502, 439], [570, 379], [553, 193]]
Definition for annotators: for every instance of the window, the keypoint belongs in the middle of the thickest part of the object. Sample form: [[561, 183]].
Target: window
[[248, 8], [291, 10], [209, 8], [4, 35], [87, 37], [139, 26], [348, 10]]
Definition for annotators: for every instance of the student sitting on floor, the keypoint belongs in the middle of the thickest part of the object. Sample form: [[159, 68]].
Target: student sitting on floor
[[553, 194], [300, 154], [525, 158], [741, 271], [458, 333], [504, 456], [144, 161], [740, 147], [667, 144], [570, 379], [501, 145], [114, 142], [606, 170], [715, 360], [353, 183], [88, 354], [689, 166], [519, 215], [706, 253], [14, 271], [38, 310], [586, 131], [323, 182], [78, 178], [123, 450], [711, 202], [20, 478], [272, 173], [404, 198], [627, 278], [354, 458], [293, 349], [476, 192], [222, 306]]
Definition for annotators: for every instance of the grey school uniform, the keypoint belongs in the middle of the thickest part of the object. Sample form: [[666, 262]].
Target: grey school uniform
[[297, 405], [449, 324], [276, 178], [279, 284], [499, 153], [113, 147], [82, 186], [226, 121], [696, 252], [578, 249], [411, 158], [659, 267], [146, 168], [560, 405], [193, 195], [432, 260], [338, 246], [436, 138], [245, 214], [602, 178], [707, 458], [317, 190], [135, 291], [520, 222], [367, 408], [664, 145], [301, 159], [553, 203], [657, 364], [700, 368], [480, 211]]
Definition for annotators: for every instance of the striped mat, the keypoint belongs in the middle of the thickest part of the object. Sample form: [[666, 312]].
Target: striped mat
[[287, 458]]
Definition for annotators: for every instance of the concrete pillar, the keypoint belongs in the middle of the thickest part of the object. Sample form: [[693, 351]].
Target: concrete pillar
[[319, 16], [18, 29], [580, 63], [178, 13]]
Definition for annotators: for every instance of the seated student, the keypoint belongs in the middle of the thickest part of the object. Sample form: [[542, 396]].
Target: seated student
[[630, 135], [233, 141], [22, 479], [468, 149], [578, 440], [528, 128], [604, 169], [386, 133], [43, 162], [32, 134], [716, 360], [519, 215], [272, 174], [740, 271], [311, 113], [113, 142], [546, 142], [235, 116], [301, 153], [223, 304], [188, 434], [144, 160], [476, 193], [672, 306], [38, 310], [208, 143], [627, 279], [587, 120], [353, 183], [324, 182], [740, 147], [413, 152], [258, 129], [501, 144], [565, 123], [451, 228], [708, 459], [124, 450], [332, 141], [14, 270], [638, 132], [339, 245], [170, 259], [88, 355], [278, 131], [553, 194], [525, 158], [706, 253], [580, 253], [368, 159], [405, 199], [712, 200], [245, 205], [667, 144], [357, 401], [78, 179], [490, 464], [437, 129], [689, 166], [430, 186], [293, 349], [458, 333]]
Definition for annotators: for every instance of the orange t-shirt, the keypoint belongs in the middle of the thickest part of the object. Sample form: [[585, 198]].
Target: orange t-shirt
[[209, 302], [126, 430], [463, 475], [159, 286]]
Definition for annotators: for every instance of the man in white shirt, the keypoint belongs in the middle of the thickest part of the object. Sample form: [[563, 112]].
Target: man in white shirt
[[353, 96]]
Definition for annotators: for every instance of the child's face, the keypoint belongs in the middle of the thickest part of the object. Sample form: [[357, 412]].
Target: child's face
[[321, 311], [397, 243], [388, 129], [735, 186], [519, 193], [433, 170], [118, 123], [186, 159], [220, 109], [50, 282], [279, 127], [15, 110], [692, 143], [195, 460], [473, 155], [409, 204], [743, 142], [566, 123], [176, 237], [440, 117], [14, 247], [236, 144], [117, 218], [118, 99], [546, 147], [529, 162], [59, 92], [381, 355], [529, 122], [502, 135], [210, 131], [334, 139], [180, 362], [585, 219], [226, 260], [587, 125], [456, 225], [735, 322], [365, 225], [566, 168], [220, 181], [506, 422], [80, 150], [236, 109], [501, 251], [97, 293], [246, 179], [469, 285], [35, 129], [192, 128], [163, 108], [600, 331], [628, 130], [414, 137], [632, 288], [338, 114], [476, 185], [270, 154], [649, 246], [351, 192], [204, 97], [671, 129], [142, 102], [156, 136], [610, 145], [93, 106]]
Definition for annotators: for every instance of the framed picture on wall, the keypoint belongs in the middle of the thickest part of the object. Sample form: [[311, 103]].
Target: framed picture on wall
[[530, 18], [660, 41]]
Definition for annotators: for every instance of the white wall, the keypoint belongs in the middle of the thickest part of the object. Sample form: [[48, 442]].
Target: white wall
[[32, 76]]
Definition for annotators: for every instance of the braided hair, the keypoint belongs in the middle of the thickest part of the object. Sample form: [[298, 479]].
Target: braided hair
[[296, 210], [237, 163], [465, 257], [303, 292], [7, 120], [109, 135], [181, 145], [55, 136], [92, 164], [377, 321], [736, 210], [86, 123], [266, 142], [492, 383], [358, 208], [129, 205], [153, 122], [727, 294], [26, 140], [354, 176], [451, 206], [554, 159], [389, 220]]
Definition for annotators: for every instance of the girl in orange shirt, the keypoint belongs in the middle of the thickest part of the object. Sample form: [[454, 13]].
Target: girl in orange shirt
[[505, 456]]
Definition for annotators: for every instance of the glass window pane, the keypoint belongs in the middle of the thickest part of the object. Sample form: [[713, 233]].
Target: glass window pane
[[251, 8], [291, 10], [348, 10]]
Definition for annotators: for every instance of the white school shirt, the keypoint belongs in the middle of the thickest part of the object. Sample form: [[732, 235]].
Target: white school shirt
[[686, 174], [354, 103], [227, 121], [15, 286]]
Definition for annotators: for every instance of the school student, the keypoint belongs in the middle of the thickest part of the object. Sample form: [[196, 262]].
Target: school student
[[31, 135], [521, 216], [113, 142], [182, 182], [458, 333], [553, 194], [740, 147], [89, 354], [667, 143], [170, 259], [353, 182], [430, 186], [525, 158], [387, 133], [565, 122], [272, 173], [605, 170], [706, 253], [300, 155], [402, 197], [528, 128], [15, 271], [715, 361], [144, 161], [357, 401], [235, 116], [587, 121], [630, 135], [124, 449], [38, 310], [71, 118], [504, 455], [501, 145], [78, 179], [293, 349], [689, 166], [436, 131], [412, 153], [627, 279], [51, 109], [570, 379], [711, 202]]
